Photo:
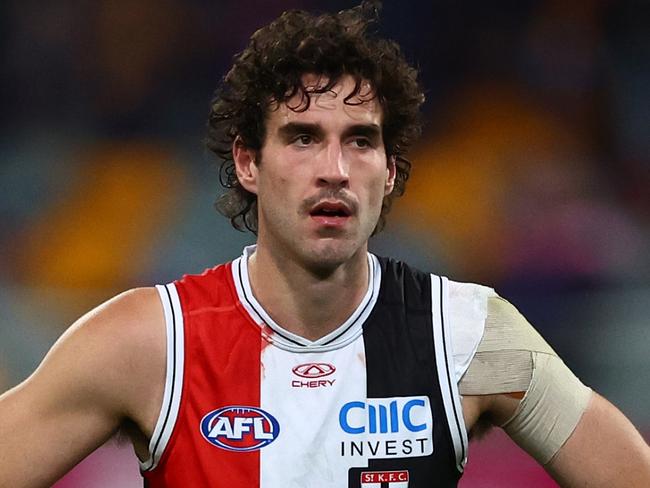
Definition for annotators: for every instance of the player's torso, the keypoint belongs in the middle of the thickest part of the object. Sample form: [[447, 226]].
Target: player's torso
[[250, 405]]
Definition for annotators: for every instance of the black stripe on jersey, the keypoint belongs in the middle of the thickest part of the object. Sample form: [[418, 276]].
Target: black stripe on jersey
[[171, 396], [401, 362], [448, 370]]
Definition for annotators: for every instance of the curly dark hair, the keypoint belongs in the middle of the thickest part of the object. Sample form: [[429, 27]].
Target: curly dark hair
[[270, 70]]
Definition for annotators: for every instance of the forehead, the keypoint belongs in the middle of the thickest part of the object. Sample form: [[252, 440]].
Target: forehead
[[333, 106]]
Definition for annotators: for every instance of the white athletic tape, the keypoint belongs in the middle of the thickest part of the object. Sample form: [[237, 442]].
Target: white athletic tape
[[550, 410], [513, 357]]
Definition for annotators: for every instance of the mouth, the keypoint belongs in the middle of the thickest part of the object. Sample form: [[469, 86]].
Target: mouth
[[330, 213]]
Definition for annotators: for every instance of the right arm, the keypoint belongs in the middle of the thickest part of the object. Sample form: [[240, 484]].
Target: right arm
[[105, 369]]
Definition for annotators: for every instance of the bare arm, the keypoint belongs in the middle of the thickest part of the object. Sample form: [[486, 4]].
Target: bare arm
[[86, 387], [605, 450]]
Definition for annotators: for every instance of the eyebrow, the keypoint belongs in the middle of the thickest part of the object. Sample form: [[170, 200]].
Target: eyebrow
[[292, 129], [371, 131]]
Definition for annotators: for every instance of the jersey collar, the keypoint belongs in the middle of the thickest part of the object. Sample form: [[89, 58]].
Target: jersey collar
[[347, 332]]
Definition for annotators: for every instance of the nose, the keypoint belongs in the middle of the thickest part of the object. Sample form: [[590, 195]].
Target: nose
[[333, 169]]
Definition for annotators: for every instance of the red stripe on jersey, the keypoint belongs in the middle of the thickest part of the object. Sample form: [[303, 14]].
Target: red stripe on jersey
[[222, 347]]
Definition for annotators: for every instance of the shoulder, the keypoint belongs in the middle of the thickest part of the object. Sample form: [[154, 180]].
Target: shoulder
[[468, 306], [113, 351], [131, 320], [105, 371], [128, 331], [468, 312]]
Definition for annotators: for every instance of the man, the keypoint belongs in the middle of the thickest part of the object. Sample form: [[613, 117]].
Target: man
[[309, 361]]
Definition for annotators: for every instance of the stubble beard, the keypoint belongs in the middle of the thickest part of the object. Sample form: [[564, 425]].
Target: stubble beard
[[321, 255]]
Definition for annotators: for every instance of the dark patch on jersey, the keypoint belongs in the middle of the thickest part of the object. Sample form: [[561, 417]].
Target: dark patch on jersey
[[401, 361]]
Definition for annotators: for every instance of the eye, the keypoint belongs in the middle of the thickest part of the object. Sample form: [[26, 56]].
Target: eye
[[303, 140], [361, 142]]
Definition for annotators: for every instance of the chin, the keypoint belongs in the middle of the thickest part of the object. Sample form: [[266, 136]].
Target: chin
[[332, 253]]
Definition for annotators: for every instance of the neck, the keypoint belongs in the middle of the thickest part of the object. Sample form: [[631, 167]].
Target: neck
[[307, 302]]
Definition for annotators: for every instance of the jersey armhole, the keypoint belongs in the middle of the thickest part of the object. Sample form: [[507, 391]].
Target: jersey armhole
[[446, 368], [173, 376]]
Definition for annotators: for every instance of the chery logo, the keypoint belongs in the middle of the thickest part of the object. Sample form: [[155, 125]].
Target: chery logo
[[312, 371]]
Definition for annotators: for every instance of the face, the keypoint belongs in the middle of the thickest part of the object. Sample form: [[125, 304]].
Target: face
[[322, 177]]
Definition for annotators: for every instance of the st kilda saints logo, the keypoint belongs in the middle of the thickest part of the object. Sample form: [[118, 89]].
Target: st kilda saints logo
[[366, 478], [240, 428], [384, 479]]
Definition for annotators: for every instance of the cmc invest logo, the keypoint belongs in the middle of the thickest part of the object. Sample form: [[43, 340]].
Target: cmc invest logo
[[240, 428], [313, 374], [377, 428]]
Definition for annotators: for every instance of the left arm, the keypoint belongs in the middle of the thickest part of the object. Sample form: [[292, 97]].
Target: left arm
[[516, 381], [604, 450]]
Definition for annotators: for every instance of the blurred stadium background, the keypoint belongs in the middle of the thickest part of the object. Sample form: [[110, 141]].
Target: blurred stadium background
[[533, 175]]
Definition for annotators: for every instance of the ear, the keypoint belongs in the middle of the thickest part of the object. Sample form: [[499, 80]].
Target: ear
[[391, 172], [245, 165]]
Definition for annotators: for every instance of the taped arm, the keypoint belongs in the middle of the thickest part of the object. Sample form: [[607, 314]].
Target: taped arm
[[604, 450], [556, 410]]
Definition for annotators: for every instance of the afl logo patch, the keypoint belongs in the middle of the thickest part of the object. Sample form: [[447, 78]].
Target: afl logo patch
[[313, 370], [240, 428]]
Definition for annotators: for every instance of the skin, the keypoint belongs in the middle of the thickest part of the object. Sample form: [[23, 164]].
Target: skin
[[332, 152], [107, 372]]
